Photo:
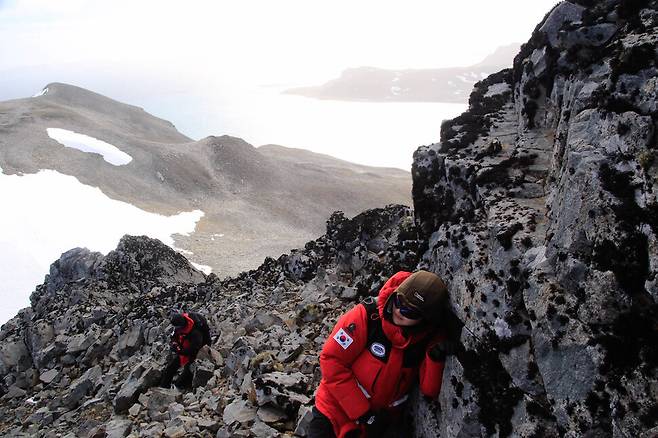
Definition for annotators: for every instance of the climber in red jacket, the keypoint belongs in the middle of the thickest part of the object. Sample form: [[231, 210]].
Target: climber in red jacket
[[190, 333], [374, 354]]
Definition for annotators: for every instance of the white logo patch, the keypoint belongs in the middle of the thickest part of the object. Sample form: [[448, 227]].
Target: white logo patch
[[378, 349], [343, 339], [419, 296]]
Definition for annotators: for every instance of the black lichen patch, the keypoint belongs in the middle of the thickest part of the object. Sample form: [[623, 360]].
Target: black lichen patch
[[598, 403], [627, 256], [513, 286], [650, 418], [536, 409], [496, 395], [530, 111], [631, 342], [633, 60], [505, 236], [533, 370], [623, 129], [628, 9], [457, 385]]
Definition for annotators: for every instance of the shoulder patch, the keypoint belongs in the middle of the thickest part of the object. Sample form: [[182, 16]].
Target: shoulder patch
[[343, 339]]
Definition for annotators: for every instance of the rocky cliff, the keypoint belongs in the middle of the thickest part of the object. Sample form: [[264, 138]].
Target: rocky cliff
[[537, 206]]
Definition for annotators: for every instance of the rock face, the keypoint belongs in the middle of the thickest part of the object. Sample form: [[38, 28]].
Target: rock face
[[539, 208]]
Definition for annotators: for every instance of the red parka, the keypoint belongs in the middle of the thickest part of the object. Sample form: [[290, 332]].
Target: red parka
[[188, 341], [361, 375]]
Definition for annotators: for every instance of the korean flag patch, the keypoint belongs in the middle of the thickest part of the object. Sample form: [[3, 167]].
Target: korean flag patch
[[343, 339]]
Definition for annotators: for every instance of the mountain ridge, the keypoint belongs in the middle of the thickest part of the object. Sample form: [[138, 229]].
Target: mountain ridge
[[235, 184]]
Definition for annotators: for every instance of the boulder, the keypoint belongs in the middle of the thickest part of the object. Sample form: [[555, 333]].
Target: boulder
[[285, 391], [262, 430], [239, 411], [269, 414], [304, 417], [82, 386], [142, 377], [158, 401], [49, 376], [208, 353], [118, 428], [563, 13], [15, 355], [208, 424], [130, 341], [202, 371]]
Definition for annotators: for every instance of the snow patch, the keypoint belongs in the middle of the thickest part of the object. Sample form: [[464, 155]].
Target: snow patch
[[47, 213], [395, 90], [85, 143], [42, 93], [203, 268]]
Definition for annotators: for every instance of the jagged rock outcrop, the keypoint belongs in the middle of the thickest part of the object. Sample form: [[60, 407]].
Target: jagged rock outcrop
[[86, 358], [539, 207]]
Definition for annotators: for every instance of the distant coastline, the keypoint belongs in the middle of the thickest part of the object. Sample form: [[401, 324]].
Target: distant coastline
[[377, 85]]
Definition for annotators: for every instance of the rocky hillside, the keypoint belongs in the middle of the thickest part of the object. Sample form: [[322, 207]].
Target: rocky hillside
[[86, 358], [371, 84], [261, 205], [537, 206]]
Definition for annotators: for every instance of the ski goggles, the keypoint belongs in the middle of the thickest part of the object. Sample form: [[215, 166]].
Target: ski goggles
[[407, 312]]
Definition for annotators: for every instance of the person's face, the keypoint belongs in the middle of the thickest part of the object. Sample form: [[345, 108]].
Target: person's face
[[399, 318]]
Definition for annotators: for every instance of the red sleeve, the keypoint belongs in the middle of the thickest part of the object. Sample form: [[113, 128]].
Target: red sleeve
[[336, 360], [431, 372]]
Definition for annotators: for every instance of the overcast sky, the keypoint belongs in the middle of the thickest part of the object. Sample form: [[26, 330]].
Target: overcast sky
[[260, 40]]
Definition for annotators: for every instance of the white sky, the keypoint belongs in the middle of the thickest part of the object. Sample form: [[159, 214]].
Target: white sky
[[261, 40]]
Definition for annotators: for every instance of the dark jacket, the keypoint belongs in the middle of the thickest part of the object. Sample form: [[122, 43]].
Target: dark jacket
[[187, 341]]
